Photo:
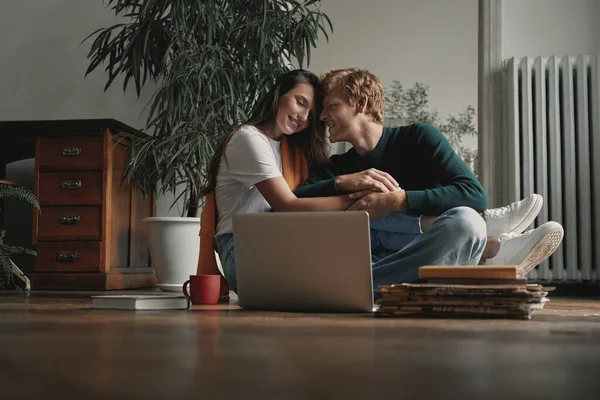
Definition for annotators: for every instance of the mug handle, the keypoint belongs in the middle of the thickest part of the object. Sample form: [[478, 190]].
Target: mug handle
[[185, 292]]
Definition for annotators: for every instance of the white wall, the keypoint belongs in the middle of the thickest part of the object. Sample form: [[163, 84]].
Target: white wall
[[43, 64], [548, 27], [431, 41]]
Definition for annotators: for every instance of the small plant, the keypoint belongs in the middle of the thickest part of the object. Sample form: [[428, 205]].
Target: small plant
[[7, 190], [407, 106]]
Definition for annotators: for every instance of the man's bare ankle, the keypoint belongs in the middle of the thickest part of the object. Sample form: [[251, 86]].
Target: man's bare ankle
[[492, 248]]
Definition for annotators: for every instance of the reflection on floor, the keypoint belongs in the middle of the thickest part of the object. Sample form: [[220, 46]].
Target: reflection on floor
[[53, 343]]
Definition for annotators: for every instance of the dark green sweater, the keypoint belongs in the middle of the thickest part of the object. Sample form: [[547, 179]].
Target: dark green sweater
[[421, 160]]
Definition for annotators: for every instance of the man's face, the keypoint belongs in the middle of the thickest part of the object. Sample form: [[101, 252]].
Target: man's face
[[341, 118]]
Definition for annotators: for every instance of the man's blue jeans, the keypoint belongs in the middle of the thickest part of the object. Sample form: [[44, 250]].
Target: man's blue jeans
[[457, 237], [394, 232]]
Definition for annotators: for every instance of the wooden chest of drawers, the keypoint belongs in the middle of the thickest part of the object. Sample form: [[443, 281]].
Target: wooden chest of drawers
[[90, 233]]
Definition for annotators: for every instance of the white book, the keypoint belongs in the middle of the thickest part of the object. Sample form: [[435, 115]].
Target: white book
[[140, 302]]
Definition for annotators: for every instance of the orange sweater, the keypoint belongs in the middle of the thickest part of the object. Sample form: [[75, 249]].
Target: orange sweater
[[295, 172]]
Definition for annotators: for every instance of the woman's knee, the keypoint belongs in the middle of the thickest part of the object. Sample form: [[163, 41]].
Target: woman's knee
[[226, 254]]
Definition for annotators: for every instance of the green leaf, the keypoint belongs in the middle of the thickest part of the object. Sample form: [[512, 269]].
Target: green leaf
[[19, 193]]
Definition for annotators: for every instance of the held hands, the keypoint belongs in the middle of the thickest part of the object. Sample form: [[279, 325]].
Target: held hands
[[378, 205], [370, 179]]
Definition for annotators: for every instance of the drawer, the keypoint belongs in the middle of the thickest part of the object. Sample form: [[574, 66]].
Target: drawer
[[71, 153], [70, 187], [70, 223], [68, 257]]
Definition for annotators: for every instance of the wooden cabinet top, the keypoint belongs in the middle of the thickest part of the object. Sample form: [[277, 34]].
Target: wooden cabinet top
[[80, 127]]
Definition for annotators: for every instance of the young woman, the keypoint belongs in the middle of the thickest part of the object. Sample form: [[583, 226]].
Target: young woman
[[260, 162]]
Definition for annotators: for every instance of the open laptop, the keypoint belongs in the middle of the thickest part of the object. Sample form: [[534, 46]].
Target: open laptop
[[304, 261]]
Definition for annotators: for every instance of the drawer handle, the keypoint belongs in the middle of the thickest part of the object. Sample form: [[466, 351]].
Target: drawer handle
[[67, 256], [71, 151], [71, 220], [70, 185]]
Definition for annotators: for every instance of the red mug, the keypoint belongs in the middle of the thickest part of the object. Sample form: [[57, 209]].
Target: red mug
[[204, 289]]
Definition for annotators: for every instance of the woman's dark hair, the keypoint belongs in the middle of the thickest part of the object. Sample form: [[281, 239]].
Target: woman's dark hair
[[311, 140]]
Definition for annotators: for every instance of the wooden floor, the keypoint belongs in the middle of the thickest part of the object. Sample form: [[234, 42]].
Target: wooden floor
[[52, 344]]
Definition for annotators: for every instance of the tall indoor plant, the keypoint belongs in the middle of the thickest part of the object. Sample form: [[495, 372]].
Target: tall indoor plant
[[210, 60]]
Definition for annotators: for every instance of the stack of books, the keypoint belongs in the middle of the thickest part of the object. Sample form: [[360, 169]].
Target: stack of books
[[464, 291]]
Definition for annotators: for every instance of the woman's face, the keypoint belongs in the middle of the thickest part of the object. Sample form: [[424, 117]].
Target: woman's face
[[294, 110]]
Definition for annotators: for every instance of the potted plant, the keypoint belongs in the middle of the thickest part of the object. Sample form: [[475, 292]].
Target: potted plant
[[7, 267], [210, 60]]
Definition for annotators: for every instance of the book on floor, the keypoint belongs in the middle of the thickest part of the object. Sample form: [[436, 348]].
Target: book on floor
[[470, 281], [140, 302], [468, 272]]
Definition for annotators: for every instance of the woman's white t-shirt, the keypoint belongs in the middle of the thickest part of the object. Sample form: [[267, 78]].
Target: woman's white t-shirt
[[250, 158]]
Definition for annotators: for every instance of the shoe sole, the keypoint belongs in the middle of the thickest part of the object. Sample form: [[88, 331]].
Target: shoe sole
[[543, 249], [537, 207]]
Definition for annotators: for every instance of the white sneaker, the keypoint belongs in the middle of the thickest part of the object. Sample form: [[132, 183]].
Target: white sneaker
[[526, 250], [515, 217]]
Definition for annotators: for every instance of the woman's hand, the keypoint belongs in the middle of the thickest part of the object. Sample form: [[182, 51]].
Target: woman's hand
[[277, 193]]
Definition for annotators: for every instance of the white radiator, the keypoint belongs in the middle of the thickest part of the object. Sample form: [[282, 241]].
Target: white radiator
[[552, 147]]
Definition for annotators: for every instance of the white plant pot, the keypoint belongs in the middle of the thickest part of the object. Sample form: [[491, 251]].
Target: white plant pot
[[174, 247]]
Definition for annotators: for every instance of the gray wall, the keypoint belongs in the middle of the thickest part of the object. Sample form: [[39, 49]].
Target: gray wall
[[431, 41], [43, 64], [550, 27]]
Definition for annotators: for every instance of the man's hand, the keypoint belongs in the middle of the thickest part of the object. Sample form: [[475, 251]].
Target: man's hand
[[379, 205], [371, 179]]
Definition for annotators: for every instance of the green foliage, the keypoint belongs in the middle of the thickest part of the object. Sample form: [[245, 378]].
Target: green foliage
[[19, 193], [406, 106], [6, 250], [210, 60]]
